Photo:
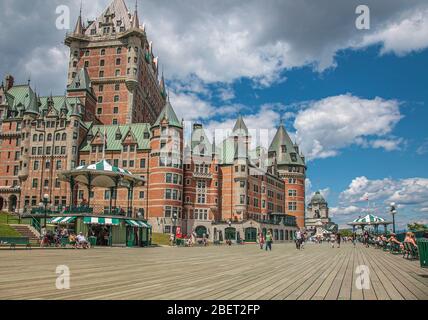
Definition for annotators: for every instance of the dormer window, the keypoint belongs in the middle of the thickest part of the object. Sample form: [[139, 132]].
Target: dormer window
[[118, 136], [293, 157], [118, 23], [93, 32], [146, 135], [283, 149]]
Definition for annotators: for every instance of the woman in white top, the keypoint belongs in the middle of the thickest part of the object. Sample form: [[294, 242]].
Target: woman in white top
[[332, 239]]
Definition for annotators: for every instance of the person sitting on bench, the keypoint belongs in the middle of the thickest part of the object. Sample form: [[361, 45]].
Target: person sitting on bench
[[395, 244], [82, 242]]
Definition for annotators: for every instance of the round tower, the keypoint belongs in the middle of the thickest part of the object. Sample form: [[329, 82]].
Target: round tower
[[166, 173]]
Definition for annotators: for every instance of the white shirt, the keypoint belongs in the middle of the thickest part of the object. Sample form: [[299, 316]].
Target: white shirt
[[81, 238]]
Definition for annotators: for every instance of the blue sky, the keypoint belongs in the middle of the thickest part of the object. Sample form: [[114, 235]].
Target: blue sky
[[355, 100]]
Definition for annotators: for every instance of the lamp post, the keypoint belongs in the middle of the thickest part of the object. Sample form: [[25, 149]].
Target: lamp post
[[174, 218], [393, 212], [44, 205]]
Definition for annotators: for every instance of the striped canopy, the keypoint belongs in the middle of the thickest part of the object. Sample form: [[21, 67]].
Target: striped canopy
[[101, 221], [137, 223], [103, 175], [62, 220], [369, 219], [103, 165]]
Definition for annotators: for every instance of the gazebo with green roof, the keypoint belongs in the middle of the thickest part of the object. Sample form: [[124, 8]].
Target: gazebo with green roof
[[102, 175], [369, 220]]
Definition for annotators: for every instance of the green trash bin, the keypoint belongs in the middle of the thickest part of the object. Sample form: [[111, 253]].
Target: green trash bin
[[423, 252], [92, 241]]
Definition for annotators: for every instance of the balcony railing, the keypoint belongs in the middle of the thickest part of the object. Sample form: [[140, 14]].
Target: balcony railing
[[201, 175]]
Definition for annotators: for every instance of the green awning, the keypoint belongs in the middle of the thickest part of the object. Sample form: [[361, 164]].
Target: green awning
[[136, 223], [62, 220], [101, 221]]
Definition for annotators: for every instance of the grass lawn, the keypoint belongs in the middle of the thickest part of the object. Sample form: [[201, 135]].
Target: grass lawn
[[160, 239], [5, 230], [4, 220]]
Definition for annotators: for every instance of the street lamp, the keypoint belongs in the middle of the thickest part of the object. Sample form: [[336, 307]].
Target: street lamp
[[44, 205], [174, 218], [393, 212]]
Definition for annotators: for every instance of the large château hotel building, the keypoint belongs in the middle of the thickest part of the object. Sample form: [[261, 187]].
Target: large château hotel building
[[116, 108]]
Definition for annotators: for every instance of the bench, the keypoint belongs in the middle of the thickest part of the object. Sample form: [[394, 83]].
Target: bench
[[410, 250], [12, 243], [394, 248]]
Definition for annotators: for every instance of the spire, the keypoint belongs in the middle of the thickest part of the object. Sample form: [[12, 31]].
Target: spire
[[64, 108], [33, 107], [135, 20], [79, 26], [240, 128], [169, 114], [285, 149], [75, 110], [214, 150], [162, 86]]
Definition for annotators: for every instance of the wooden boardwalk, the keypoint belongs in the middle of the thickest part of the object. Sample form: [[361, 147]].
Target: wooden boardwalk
[[239, 272]]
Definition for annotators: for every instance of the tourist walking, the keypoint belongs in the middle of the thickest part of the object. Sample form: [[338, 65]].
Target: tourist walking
[[332, 239], [338, 239], [261, 240], [298, 239], [366, 239], [269, 241], [354, 239]]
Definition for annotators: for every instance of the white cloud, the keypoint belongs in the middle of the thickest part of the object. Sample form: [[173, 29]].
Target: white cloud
[[411, 191], [404, 36], [423, 148], [388, 145], [344, 211], [224, 41], [325, 126]]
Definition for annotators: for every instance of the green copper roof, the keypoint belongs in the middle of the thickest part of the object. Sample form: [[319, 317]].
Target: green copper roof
[[240, 127], [200, 142], [168, 113], [318, 198], [81, 81], [113, 141], [289, 156]]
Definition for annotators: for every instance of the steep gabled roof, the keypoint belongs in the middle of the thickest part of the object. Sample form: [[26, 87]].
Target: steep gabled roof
[[121, 13], [81, 81], [168, 114], [240, 128], [291, 156], [113, 144]]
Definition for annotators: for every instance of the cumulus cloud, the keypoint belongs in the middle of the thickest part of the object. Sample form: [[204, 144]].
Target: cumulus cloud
[[402, 37], [324, 127], [410, 196], [224, 41]]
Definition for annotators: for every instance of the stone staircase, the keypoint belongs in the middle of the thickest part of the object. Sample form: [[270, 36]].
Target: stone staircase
[[27, 231]]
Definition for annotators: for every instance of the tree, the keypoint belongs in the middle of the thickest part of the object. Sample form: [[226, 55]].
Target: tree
[[416, 226], [345, 232]]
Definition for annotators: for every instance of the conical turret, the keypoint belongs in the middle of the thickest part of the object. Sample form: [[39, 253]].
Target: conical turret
[[135, 20]]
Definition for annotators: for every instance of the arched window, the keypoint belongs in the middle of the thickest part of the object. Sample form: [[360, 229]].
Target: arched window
[[41, 137], [49, 137], [34, 137], [119, 50], [57, 137], [64, 137]]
